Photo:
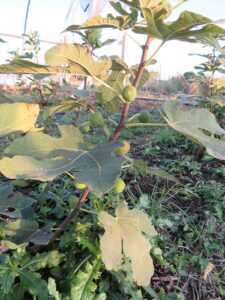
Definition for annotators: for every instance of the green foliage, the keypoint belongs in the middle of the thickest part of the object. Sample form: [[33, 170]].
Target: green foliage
[[190, 233], [192, 123], [32, 45], [48, 259], [79, 59], [82, 284], [185, 28], [21, 66], [22, 231], [29, 281], [97, 119], [60, 155], [52, 289], [14, 205], [18, 117]]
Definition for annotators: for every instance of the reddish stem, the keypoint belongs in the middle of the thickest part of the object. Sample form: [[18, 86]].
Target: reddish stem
[[113, 137], [71, 215], [142, 63], [119, 127], [137, 79]]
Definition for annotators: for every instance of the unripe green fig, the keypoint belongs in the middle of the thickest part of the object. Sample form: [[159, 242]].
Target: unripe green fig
[[97, 119], [123, 149], [98, 44], [86, 128], [156, 251], [129, 93], [144, 116], [119, 186]]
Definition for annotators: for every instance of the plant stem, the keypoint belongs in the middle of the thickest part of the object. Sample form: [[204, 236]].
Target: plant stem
[[71, 215], [132, 38], [137, 79], [133, 117], [77, 115], [146, 124], [179, 4], [118, 129], [115, 134], [89, 211]]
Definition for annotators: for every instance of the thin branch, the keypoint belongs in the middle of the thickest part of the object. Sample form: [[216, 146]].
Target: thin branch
[[142, 63], [120, 126], [179, 4], [77, 114], [126, 106], [71, 215], [115, 134], [132, 38], [146, 124]]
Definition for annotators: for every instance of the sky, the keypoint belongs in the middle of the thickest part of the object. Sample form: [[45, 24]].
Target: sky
[[48, 17]]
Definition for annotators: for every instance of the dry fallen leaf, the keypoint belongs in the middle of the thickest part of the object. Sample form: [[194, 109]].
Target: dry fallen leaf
[[127, 227]]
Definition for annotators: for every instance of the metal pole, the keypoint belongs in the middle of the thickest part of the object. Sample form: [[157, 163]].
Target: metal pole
[[123, 44], [26, 18]]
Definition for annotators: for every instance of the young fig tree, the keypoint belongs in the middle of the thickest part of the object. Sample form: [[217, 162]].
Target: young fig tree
[[98, 169]]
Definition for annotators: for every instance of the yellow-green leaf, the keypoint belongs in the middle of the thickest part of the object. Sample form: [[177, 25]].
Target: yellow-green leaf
[[189, 27], [97, 22], [78, 58], [18, 117], [40, 145], [124, 232], [199, 124], [43, 157], [20, 66]]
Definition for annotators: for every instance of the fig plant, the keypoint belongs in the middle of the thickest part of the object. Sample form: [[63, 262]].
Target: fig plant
[[39, 156], [207, 70]]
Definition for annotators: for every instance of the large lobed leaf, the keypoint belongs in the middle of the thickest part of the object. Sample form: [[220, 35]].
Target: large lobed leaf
[[62, 58], [18, 117], [115, 81], [193, 122], [185, 28], [43, 157], [78, 57], [96, 22], [126, 229], [121, 22], [67, 104], [20, 66], [39, 144]]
